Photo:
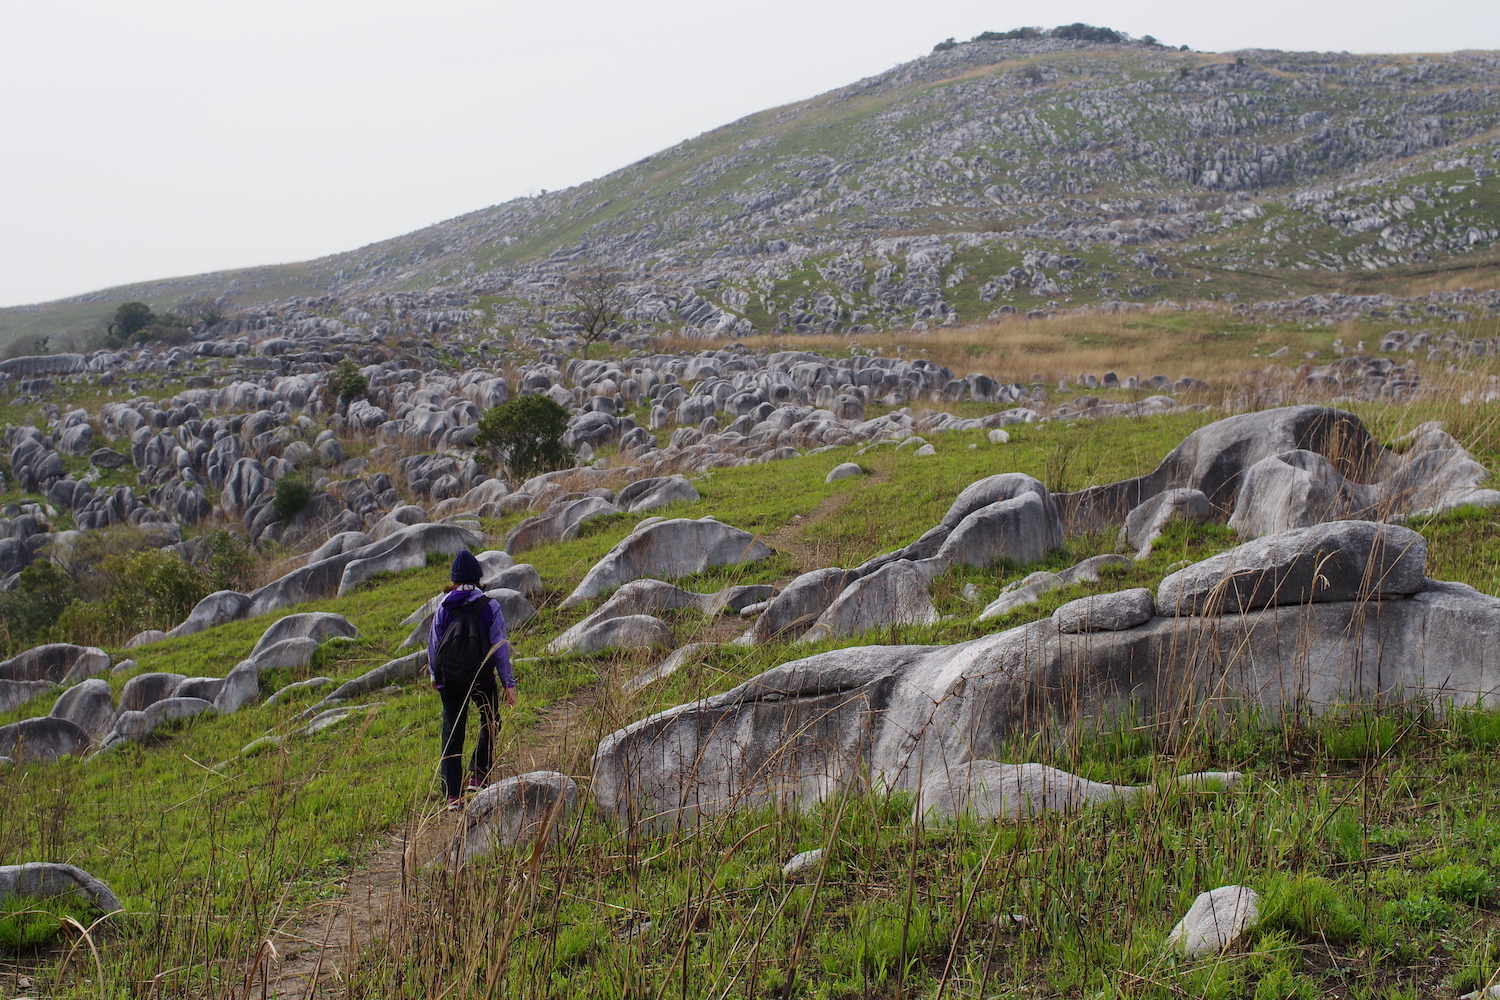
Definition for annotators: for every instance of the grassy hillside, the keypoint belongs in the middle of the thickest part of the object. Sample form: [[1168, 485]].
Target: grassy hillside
[[1370, 836]]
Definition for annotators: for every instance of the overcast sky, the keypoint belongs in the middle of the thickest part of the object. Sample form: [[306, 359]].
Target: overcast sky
[[154, 138]]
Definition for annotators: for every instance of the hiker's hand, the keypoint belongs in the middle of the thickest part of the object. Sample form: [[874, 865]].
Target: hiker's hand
[[510, 696]]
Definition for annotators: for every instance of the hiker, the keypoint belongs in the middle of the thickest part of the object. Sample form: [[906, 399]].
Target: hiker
[[465, 649]]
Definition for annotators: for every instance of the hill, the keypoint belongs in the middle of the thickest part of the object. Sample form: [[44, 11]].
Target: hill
[[1023, 174]]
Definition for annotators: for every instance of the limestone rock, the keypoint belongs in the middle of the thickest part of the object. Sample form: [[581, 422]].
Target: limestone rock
[[668, 549], [559, 524], [133, 727], [42, 740], [58, 662], [798, 862], [794, 610], [315, 625], [651, 596], [1216, 921], [1335, 561], [666, 668], [296, 651], [144, 690], [673, 489], [1144, 524], [216, 609], [47, 880], [1015, 530], [895, 594], [988, 789], [624, 632], [1114, 612], [90, 705], [14, 694], [515, 812], [844, 471]]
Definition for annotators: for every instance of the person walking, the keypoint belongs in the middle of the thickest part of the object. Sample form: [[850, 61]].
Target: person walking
[[466, 650]]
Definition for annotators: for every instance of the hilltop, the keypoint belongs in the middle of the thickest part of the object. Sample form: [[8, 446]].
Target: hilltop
[[1029, 175]]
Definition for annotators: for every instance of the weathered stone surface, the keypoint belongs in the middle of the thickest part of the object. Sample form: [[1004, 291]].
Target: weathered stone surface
[[794, 610], [132, 727], [42, 740], [296, 651], [522, 578], [1007, 486], [403, 668], [47, 880], [668, 549], [895, 594], [283, 693], [514, 608], [624, 632], [799, 731], [59, 662], [515, 812], [406, 549], [559, 524], [14, 694], [1106, 612], [666, 668], [1017, 530], [1025, 591], [843, 471], [641, 597], [241, 687], [202, 688], [1336, 561], [216, 609], [799, 862], [144, 690], [988, 789], [1216, 921], [673, 489], [1144, 524], [90, 705], [318, 626]]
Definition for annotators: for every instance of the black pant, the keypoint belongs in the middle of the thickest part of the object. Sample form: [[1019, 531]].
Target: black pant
[[456, 700]]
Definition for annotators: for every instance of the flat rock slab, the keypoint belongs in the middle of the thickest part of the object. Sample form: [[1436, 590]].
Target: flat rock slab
[[666, 668], [1216, 921], [1336, 561], [514, 812], [47, 880], [668, 549], [625, 632], [988, 789]]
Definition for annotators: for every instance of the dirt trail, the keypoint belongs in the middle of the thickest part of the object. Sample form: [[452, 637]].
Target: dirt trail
[[313, 950]]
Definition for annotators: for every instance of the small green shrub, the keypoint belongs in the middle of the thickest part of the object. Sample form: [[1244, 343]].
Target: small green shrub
[[153, 588], [1461, 883], [345, 382], [229, 561], [293, 494], [29, 609], [525, 436], [1308, 906], [1419, 909]]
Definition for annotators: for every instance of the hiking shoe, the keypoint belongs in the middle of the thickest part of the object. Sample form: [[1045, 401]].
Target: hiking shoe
[[475, 785], [455, 804]]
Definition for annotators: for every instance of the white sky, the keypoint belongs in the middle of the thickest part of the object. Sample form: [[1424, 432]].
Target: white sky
[[156, 138]]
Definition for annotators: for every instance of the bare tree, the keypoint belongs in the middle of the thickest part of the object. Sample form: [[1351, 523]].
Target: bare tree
[[598, 297]]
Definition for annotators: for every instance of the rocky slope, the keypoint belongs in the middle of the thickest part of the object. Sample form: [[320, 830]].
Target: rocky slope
[[1005, 175]]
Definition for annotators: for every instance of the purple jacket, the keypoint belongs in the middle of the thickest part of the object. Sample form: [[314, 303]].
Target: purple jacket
[[490, 616]]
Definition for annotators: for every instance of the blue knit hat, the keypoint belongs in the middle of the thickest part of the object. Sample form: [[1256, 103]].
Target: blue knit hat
[[466, 568]]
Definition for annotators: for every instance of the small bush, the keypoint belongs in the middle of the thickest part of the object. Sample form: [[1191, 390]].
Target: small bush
[[229, 561], [293, 494], [29, 609], [1078, 31], [345, 382], [152, 588], [1461, 883], [525, 436], [1419, 909], [1310, 907]]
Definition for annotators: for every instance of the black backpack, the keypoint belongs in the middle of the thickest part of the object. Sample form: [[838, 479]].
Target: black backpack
[[464, 647]]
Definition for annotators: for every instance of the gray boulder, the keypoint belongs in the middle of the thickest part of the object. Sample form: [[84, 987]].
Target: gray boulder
[[1215, 922], [90, 705], [844, 471], [624, 632], [403, 668], [522, 578], [294, 652], [1297, 489], [515, 609], [988, 789], [641, 597], [216, 609], [665, 550], [515, 812], [673, 489], [406, 549], [794, 610], [107, 458], [42, 740], [666, 668], [144, 690], [203, 688], [241, 687], [1018, 530], [896, 714], [1006, 486], [59, 662], [315, 625], [14, 694], [1336, 561], [1106, 612], [1025, 591], [1144, 524], [132, 727], [895, 594], [48, 880], [560, 523]]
